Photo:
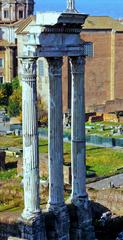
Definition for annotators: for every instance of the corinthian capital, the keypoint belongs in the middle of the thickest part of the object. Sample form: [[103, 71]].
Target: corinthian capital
[[55, 65], [29, 66], [77, 64]]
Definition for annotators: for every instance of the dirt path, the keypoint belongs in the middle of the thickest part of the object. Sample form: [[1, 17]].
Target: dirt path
[[110, 182]]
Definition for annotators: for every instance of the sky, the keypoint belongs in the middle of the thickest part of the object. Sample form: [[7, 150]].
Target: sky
[[112, 8]]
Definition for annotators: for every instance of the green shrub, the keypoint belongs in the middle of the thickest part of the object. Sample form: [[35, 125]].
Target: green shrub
[[5, 92], [15, 103]]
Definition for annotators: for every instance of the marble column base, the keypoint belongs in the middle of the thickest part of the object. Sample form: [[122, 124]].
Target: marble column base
[[33, 229], [81, 220], [60, 223]]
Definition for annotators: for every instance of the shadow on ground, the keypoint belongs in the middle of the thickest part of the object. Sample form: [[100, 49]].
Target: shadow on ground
[[11, 165]]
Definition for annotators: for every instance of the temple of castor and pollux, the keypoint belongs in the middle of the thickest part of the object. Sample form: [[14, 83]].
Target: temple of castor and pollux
[[55, 35]]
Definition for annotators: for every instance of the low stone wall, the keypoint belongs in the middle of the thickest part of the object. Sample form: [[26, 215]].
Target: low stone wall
[[9, 229], [93, 139], [109, 198], [104, 141], [110, 117], [121, 119], [93, 119]]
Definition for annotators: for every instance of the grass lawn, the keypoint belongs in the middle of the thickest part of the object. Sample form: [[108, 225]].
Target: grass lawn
[[103, 161], [10, 141]]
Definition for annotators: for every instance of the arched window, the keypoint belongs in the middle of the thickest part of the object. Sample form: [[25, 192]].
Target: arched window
[[21, 14], [6, 13]]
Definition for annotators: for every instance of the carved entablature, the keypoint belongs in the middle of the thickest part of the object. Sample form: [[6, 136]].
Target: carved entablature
[[62, 30]]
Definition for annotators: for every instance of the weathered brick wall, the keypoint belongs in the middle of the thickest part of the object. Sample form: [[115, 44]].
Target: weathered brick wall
[[97, 69], [119, 66], [103, 72], [114, 105], [109, 198]]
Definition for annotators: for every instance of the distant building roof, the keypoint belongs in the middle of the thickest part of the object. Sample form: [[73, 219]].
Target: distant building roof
[[11, 24], [25, 23], [102, 22], [91, 22]]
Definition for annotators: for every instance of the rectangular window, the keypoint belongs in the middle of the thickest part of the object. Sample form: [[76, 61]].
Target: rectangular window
[[89, 49], [20, 14], [1, 62], [6, 14], [1, 79]]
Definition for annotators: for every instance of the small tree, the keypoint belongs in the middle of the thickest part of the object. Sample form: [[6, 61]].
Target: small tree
[[5, 92], [15, 83], [15, 103], [42, 112]]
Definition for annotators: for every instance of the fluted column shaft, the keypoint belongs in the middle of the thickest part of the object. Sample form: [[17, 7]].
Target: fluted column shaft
[[78, 129], [30, 139], [55, 133]]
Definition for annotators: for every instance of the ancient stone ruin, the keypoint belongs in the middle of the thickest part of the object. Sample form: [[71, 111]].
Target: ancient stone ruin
[[55, 35]]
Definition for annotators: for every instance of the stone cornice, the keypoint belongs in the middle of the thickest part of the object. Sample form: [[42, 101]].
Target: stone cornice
[[61, 29]]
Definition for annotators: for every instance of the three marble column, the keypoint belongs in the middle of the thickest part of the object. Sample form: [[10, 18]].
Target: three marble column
[[55, 137]]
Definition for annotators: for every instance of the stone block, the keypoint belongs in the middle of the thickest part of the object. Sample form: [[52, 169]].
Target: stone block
[[32, 229], [67, 174], [2, 160], [81, 220]]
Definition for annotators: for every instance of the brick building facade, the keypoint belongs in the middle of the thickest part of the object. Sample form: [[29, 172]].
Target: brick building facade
[[103, 71], [12, 14]]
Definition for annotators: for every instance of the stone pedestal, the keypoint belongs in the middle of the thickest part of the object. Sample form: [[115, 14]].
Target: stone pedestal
[[81, 222], [55, 137], [33, 229], [83, 227], [31, 217]]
